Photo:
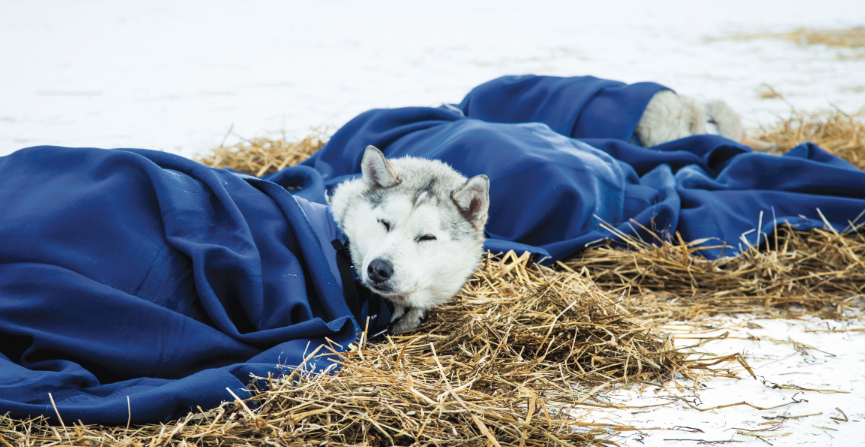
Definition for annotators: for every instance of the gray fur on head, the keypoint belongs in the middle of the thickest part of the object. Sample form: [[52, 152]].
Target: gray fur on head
[[418, 216]]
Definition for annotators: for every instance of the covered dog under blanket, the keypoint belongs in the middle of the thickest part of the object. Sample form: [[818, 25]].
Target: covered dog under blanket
[[140, 274], [137, 285]]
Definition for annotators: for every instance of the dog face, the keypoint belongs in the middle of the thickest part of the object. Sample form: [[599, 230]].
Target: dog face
[[415, 228]]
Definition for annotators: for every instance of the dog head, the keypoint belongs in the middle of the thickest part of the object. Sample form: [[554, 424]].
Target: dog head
[[415, 227]]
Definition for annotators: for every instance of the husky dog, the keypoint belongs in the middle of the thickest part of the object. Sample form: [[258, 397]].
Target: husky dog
[[670, 116], [415, 230]]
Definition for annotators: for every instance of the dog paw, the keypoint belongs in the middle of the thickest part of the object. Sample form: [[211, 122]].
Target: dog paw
[[411, 320]]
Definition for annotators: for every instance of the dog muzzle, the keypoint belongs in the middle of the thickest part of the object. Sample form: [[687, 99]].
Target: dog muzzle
[[371, 311]]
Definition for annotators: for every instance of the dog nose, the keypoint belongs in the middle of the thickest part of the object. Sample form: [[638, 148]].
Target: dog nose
[[379, 270]]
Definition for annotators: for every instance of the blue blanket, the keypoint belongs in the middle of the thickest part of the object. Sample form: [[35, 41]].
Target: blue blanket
[[562, 160], [143, 275], [138, 284]]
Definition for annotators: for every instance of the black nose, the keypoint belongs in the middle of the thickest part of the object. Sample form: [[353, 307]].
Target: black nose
[[379, 270]]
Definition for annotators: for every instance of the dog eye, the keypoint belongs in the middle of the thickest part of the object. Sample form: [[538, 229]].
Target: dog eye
[[426, 237], [385, 223]]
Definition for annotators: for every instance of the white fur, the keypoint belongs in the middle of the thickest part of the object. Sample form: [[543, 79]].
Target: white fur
[[729, 123], [426, 273], [669, 116], [377, 171]]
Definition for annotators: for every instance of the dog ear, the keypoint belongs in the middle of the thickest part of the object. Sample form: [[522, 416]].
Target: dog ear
[[473, 199], [376, 170]]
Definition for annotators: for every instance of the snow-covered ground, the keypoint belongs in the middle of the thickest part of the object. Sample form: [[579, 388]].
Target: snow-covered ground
[[177, 76], [809, 387]]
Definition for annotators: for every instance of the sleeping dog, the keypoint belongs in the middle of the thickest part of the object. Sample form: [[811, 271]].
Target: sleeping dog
[[415, 227], [670, 116], [415, 230]]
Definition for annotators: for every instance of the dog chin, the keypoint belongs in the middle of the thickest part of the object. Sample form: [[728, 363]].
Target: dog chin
[[395, 296]]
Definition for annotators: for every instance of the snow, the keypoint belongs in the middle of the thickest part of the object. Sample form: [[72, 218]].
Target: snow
[[824, 357], [177, 76]]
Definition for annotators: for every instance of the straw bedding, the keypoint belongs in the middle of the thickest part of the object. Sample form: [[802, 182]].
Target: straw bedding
[[262, 156], [818, 272], [835, 131], [503, 362], [850, 41]]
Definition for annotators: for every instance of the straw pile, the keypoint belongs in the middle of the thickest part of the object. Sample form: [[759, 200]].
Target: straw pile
[[766, 91], [837, 38], [833, 130], [845, 39], [501, 364], [262, 156], [794, 273]]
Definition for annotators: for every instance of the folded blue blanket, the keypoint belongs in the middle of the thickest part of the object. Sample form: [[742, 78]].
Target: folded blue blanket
[[139, 285], [140, 275]]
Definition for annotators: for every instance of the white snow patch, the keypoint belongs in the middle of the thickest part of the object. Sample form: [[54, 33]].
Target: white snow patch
[[826, 360], [176, 76]]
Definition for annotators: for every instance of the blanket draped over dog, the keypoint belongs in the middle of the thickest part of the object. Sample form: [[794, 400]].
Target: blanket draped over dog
[[143, 275], [137, 285], [563, 173]]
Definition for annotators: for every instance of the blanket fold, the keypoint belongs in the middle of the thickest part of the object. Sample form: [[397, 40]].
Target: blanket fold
[[561, 168], [140, 274], [576, 107]]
